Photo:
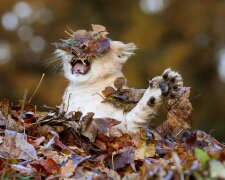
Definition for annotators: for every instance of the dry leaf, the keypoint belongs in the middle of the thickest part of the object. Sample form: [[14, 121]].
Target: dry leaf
[[69, 168], [144, 151], [113, 175], [57, 156], [2, 121], [37, 141], [131, 176], [119, 82], [178, 117], [4, 107], [86, 45], [125, 99], [15, 145], [89, 127], [108, 91], [86, 121], [28, 170], [122, 159], [98, 28], [217, 169], [50, 166]]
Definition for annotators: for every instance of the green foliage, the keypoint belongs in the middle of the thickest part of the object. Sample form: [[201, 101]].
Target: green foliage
[[202, 156]]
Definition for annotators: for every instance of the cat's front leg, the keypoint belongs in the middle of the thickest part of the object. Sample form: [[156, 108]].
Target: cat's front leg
[[163, 87]]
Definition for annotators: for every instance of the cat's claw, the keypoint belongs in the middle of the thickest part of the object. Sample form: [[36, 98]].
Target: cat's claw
[[170, 83]]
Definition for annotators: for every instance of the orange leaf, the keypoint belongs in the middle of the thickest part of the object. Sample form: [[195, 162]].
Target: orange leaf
[[51, 166]]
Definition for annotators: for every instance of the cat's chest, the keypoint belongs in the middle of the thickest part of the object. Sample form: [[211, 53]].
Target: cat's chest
[[84, 101], [92, 102]]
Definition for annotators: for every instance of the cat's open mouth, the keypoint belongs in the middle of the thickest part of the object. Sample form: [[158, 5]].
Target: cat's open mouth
[[80, 67]]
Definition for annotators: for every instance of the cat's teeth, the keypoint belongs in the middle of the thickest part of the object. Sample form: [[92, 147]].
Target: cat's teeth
[[83, 62]]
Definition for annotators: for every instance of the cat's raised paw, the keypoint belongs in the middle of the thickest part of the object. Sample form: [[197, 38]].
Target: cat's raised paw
[[170, 83]]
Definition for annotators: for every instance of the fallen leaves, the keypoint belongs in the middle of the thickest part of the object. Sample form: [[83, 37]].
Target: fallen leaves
[[68, 169], [15, 145], [76, 146]]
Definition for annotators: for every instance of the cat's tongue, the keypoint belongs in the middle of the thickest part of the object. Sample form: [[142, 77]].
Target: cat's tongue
[[80, 68]]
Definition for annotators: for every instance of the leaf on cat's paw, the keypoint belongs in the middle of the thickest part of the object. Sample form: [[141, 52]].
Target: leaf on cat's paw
[[108, 91], [119, 82], [178, 117]]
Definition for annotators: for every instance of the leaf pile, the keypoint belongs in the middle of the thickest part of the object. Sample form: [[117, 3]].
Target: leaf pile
[[49, 145], [86, 45]]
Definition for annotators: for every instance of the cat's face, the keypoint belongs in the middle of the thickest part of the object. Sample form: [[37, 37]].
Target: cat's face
[[109, 63]]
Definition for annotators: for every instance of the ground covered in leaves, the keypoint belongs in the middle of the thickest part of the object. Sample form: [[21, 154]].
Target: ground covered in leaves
[[49, 145]]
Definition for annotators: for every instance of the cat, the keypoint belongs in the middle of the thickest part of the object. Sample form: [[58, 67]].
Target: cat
[[88, 78]]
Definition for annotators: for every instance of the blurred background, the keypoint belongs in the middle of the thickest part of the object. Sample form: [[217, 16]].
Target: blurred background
[[187, 35]]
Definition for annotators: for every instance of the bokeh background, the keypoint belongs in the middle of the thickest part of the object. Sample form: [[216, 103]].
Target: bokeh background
[[187, 35]]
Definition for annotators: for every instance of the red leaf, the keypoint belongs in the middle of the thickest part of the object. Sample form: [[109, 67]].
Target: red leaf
[[51, 166], [37, 141]]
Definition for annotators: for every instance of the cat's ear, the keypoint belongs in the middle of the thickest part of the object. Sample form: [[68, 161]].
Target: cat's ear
[[123, 50]]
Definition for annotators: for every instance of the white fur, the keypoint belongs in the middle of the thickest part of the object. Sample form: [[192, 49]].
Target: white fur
[[84, 92]]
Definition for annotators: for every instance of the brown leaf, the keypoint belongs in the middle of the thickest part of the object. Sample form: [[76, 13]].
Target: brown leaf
[[178, 117], [4, 107], [80, 33], [108, 91], [113, 175], [119, 82], [101, 145], [69, 168], [37, 141], [121, 142], [36, 130], [125, 99], [86, 45], [98, 28], [15, 145], [13, 123], [89, 127], [104, 125], [86, 121], [145, 151], [50, 166], [120, 160], [131, 176], [2, 121], [58, 157]]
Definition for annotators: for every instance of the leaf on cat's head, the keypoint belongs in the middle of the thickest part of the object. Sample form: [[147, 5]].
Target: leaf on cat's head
[[98, 28], [86, 45]]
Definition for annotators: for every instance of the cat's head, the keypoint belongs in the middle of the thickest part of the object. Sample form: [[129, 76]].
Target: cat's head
[[105, 61]]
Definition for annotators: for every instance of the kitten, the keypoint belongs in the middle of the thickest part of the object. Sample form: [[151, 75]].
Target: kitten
[[87, 78]]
